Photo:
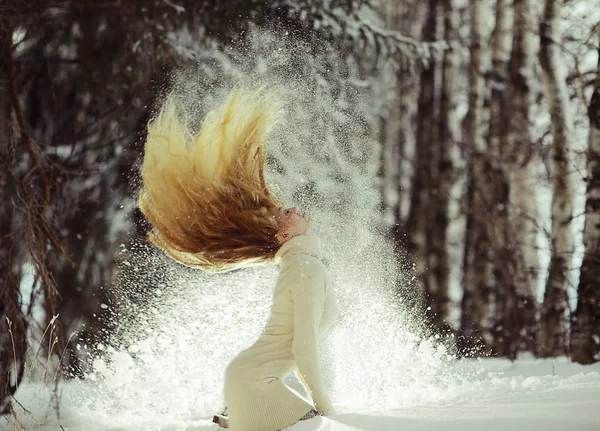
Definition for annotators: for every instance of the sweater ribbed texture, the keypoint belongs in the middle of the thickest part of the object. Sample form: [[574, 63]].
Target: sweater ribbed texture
[[304, 307]]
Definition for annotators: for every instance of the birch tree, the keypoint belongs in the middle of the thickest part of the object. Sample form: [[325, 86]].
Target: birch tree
[[399, 135], [504, 297], [585, 338], [477, 264], [551, 336], [420, 202], [439, 266], [520, 160], [498, 82]]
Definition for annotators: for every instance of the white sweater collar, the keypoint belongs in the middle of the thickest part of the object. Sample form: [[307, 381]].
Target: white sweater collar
[[301, 244]]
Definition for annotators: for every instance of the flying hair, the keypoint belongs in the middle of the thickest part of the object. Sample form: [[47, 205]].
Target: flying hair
[[205, 194]]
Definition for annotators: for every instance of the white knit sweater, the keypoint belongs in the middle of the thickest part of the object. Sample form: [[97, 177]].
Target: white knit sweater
[[304, 307]]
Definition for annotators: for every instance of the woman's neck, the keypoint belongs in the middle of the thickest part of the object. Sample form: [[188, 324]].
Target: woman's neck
[[300, 244]]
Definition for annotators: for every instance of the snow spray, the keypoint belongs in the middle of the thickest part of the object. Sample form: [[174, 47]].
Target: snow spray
[[178, 328]]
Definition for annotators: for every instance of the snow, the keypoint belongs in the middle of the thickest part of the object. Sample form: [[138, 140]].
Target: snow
[[495, 395]]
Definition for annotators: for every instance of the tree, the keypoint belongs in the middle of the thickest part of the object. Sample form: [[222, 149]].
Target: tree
[[497, 172], [477, 264], [552, 328], [439, 266], [585, 337], [520, 160], [421, 201], [13, 323]]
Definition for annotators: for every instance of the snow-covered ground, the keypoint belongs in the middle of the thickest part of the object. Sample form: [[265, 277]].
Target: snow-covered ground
[[498, 395]]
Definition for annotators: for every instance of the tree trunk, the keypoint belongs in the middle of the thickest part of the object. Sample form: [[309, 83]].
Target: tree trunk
[[521, 158], [585, 338], [477, 276], [385, 171], [439, 266], [406, 20], [498, 82], [504, 290], [420, 202], [551, 336], [403, 112], [13, 327]]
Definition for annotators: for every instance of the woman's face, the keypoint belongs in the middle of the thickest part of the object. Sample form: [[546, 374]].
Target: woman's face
[[291, 222]]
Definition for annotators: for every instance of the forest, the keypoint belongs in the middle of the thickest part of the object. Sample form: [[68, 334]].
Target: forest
[[465, 132]]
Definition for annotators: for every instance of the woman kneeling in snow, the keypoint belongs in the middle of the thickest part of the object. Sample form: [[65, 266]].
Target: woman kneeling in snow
[[209, 206]]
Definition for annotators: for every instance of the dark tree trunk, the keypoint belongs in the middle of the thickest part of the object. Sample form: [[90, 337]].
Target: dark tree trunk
[[477, 275], [419, 218], [504, 290], [404, 18], [13, 327], [585, 338], [439, 265], [521, 231]]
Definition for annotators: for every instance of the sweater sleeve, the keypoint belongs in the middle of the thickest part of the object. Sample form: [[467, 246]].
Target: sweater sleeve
[[308, 294]]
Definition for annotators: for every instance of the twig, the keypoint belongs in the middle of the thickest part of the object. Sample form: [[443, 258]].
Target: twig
[[22, 406], [35, 200], [25, 136]]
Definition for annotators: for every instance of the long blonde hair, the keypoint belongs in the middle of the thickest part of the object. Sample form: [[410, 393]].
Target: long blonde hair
[[205, 194]]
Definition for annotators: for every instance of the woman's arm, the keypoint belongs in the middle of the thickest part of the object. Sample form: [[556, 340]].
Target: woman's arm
[[308, 294]]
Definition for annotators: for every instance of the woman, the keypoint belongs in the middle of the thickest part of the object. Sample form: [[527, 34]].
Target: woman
[[205, 195]]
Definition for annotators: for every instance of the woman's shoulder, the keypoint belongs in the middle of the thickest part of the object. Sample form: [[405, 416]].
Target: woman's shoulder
[[302, 267], [305, 261]]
